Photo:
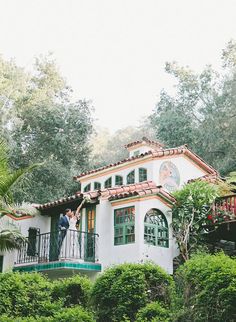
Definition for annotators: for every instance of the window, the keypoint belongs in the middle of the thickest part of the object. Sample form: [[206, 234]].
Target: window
[[131, 177], [32, 246], [108, 183], [97, 185], [156, 228], [119, 180], [142, 174], [87, 188], [124, 226], [136, 153]]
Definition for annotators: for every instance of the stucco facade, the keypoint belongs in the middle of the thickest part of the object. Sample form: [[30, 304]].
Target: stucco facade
[[130, 220]]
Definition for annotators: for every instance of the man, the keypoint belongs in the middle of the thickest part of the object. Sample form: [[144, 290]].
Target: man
[[63, 225]]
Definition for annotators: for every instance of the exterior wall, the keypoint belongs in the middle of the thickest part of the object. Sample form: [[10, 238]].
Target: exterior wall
[[23, 225], [187, 170], [141, 149], [123, 173], [137, 252]]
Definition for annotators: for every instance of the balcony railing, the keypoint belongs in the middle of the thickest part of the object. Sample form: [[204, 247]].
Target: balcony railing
[[58, 246], [224, 209]]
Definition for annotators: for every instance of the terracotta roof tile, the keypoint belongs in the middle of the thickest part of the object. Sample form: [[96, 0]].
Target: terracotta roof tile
[[158, 154], [145, 141]]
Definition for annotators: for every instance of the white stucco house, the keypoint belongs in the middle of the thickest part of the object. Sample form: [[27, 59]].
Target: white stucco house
[[128, 218]]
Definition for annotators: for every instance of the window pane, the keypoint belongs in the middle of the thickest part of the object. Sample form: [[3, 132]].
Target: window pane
[[108, 183], [156, 228], [131, 177], [142, 174], [119, 180], [87, 188], [97, 185], [124, 228]]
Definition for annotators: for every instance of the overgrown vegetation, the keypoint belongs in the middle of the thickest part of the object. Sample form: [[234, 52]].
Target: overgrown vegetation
[[122, 290], [203, 290], [189, 215]]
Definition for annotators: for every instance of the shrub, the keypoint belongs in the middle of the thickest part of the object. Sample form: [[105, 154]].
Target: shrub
[[26, 294], [74, 314], [206, 288], [72, 291], [122, 290], [153, 312]]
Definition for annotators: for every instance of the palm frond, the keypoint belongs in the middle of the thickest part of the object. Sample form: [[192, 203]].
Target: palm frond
[[11, 239], [18, 210]]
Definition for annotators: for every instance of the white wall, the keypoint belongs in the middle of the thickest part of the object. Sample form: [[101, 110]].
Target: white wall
[[41, 222], [123, 173], [137, 252], [186, 168]]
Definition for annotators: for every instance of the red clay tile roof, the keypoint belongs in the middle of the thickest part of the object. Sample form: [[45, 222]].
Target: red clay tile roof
[[147, 141], [211, 178], [78, 195], [156, 154], [138, 189]]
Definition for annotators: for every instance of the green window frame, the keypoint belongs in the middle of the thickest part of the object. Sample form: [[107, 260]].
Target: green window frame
[[118, 180], [156, 230], [124, 226], [97, 185], [130, 177], [108, 183], [87, 187], [142, 173]]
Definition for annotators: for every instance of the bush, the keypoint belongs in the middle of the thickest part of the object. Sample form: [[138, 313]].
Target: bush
[[72, 291], [153, 312], [26, 294], [122, 290], [74, 314], [206, 288]]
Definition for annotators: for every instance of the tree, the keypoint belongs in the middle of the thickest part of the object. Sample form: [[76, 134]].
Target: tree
[[109, 148], [10, 237], [42, 123], [206, 289], [202, 111], [189, 215]]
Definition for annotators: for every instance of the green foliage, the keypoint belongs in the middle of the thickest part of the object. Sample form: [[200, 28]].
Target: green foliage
[[24, 295], [122, 290], [206, 288], [41, 123], [74, 314], [153, 312], [72, 291], [189, 214], [201, 113]]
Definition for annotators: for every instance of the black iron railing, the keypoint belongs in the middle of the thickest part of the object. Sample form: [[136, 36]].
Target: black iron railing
[[58, 245]]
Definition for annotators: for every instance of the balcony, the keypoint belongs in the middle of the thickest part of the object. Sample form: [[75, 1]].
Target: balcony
[[59, 253]]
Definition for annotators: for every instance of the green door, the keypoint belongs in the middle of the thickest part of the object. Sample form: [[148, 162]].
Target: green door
[[89, 254]]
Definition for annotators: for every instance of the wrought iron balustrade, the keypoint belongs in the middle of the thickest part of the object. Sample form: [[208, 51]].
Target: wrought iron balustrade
[[58, 246]]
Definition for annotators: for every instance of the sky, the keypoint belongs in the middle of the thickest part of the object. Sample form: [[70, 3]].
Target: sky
[[114, 51]]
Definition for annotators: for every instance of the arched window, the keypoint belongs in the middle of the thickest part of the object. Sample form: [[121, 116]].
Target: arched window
[[108, 183], [130, 177], [118, 180], [156, 228], [142, 172], [97, 185], [87, 188]]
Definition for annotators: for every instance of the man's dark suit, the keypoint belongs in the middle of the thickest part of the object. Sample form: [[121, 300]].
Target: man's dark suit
[[62, 226]]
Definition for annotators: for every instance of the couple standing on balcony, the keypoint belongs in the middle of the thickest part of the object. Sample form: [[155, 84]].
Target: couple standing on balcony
[[69, 220]]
